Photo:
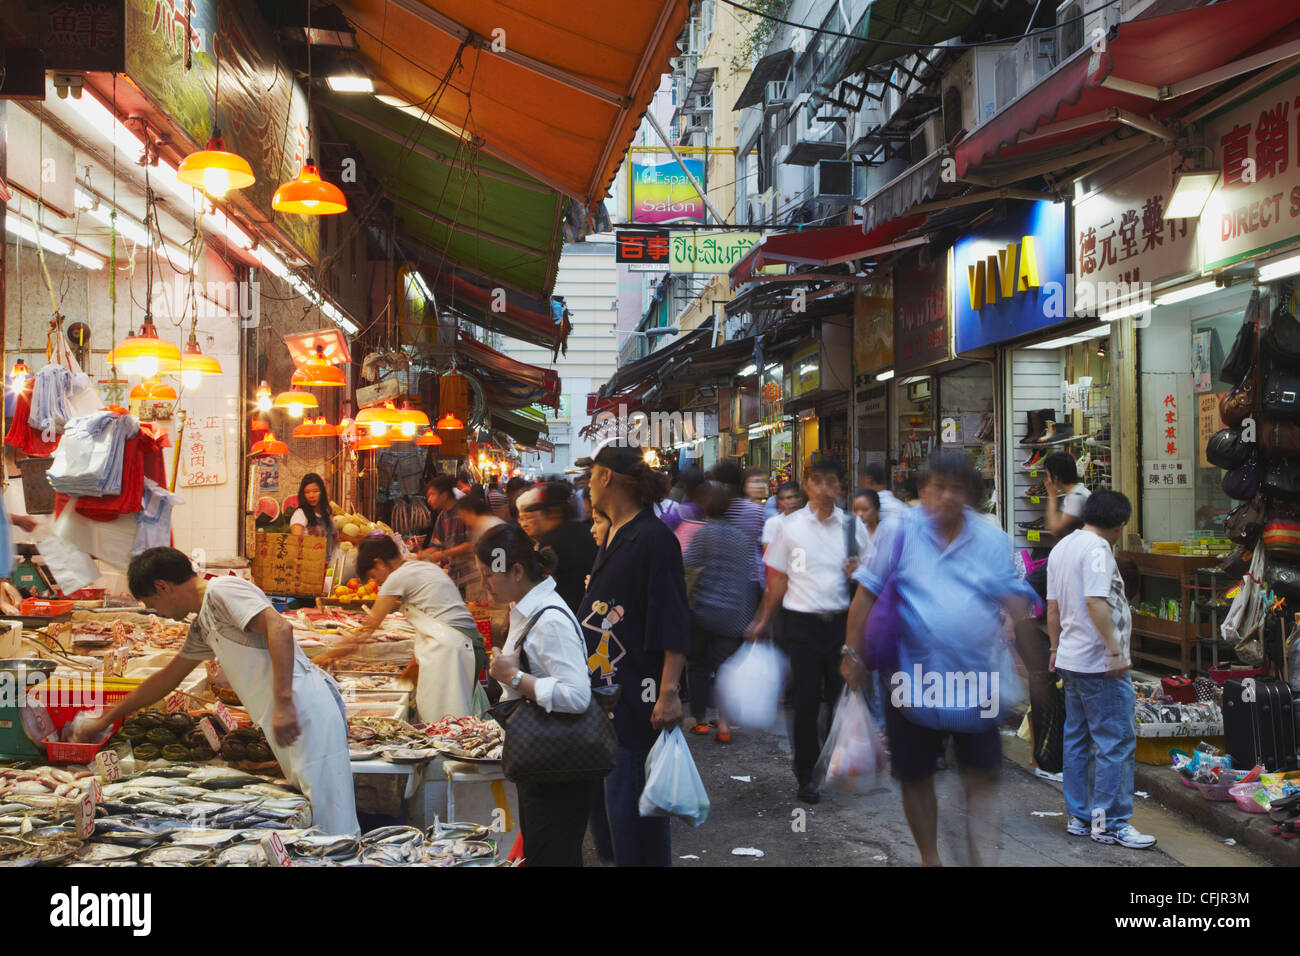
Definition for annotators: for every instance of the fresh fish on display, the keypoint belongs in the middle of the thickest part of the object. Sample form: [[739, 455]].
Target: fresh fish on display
[[105, 853], [206, 838], [324, 845], [175, 856], [222, 778], [241, 854]]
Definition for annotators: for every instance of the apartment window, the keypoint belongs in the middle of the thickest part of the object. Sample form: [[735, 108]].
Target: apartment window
[[952, 120]]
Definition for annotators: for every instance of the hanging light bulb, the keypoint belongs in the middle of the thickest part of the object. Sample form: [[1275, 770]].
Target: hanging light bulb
[[194, 364], [295, 401], [449, 422], [154, 390], [309, 195], [411, 420], [316, 372], [270, 446], [430, 437], [380, 418], [19, 374], [144, 354], [214, 170], [264, 397]]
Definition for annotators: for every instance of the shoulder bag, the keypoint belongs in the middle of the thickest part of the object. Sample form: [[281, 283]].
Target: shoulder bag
[[1281, 392], [1238, 360], [881, 632], [1225, 449], [1241, 625], [1243, 483], [1246, 522], [543, 747], [1281, 477], [1239, 404], [1279, 436], [1281, 340]]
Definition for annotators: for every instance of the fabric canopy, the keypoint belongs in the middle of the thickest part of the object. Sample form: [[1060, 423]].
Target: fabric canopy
[[1146, 54], [911, 188], [642, 370], [774, 66], [819, 247], [554, 88], [507, 383], [909, 22], [522, 318], [523, 425]]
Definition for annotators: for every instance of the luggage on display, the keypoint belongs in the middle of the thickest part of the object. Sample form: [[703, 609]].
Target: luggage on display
[[1259, 723]]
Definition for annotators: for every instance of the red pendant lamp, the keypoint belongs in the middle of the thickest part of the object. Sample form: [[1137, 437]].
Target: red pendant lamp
[[316, 372], [270, 446], [154, 390], [430, 437]]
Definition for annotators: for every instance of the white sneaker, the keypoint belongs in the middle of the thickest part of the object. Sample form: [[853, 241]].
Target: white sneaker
[[1077, 827], [1126, 835]]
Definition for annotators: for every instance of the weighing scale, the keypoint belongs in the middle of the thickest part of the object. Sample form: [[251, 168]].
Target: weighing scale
[[28, 574], [18, 676]]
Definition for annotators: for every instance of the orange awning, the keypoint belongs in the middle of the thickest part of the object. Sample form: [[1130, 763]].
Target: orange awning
[[561, 95]]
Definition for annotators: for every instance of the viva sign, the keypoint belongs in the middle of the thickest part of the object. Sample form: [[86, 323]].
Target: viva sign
[[1000, 274]]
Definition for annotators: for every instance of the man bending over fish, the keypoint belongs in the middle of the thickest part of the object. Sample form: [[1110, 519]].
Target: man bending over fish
[[295, 702]]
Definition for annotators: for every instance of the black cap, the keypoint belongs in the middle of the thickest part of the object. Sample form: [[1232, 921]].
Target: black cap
[[622, 458]]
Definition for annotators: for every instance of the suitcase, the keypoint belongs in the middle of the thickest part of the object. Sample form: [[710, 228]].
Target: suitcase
[[1180, 689], [1260, 730]]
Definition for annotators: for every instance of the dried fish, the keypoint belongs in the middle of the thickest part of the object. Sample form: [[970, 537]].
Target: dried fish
[[105, 852], [175, 856]]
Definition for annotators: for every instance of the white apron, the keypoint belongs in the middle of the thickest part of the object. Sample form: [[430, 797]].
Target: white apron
[[318, 763], [446, 657]]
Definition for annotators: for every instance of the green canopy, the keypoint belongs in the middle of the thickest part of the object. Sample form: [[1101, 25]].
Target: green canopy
[[457, 205], [524, 425]]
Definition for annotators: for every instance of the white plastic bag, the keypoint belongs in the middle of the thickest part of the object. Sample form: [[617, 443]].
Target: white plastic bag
[[853, 757], [673, 787], [748, 686]]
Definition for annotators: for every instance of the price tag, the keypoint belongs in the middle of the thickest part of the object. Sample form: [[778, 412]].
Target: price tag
[[120, 656], [1035, 499], [175, 702], [276, 854], [97, 665], [85, 816], [1034, 473], [95, 791], [1033, 535], [108, 766], [224, 715], [210, 734]]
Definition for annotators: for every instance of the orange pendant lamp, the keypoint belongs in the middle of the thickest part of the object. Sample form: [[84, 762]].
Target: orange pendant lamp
[[450, 423], [295, 401], [264, 397], [270, 446], [316, 372], [373, 443], [214, 170], [257, 425], [316, 428], [430, 437], [380, 418], [194, 364], [309, 195], [145, 354], [410, 421], [154, 390]]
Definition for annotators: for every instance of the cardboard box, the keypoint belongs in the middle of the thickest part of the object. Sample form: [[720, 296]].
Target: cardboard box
[[290, 563]]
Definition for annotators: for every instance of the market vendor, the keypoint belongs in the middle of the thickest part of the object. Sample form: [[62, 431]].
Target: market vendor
[[285, 694], [449, 649]]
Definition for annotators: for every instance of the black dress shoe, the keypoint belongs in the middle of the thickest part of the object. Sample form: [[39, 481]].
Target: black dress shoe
[[809, 794]]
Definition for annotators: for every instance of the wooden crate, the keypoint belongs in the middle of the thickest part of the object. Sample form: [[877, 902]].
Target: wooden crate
[[290, 563]]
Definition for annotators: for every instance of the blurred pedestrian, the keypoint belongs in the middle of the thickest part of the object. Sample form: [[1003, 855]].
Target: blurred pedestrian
[[746, 515], [692, 508], [496, 499], [756, 488], [558, 529], [638, 634], [720, 605], [956, 585], [807, 583], [873, 479], [449, 540], [1090, 626]]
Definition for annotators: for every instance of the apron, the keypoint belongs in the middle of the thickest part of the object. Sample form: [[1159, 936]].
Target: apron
[[446, 656], [318, 763]]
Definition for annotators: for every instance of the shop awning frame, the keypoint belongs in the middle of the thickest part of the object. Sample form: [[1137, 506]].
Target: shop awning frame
[[823, 248], [643, 370], [774, 66]]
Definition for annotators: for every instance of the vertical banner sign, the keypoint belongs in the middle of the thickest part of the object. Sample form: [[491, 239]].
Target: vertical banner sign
[[661, 193], [1167, 413], [920, 313], [172, 58], [873, 327], [203, 458]]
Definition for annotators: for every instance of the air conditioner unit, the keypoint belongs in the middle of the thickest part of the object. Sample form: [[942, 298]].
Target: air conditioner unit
[[777, 93], [834, 179], [1006, 78], [1070, 28]]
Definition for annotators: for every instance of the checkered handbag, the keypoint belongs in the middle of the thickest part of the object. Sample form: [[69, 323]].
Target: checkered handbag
[[543, 747]]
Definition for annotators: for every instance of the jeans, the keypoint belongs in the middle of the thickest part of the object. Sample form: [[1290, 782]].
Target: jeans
[[1100, 747], [815, 656], [636, 840]]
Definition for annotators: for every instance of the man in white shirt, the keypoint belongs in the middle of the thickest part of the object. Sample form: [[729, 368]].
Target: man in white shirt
[[873, 479], [1090, 625], [807, 580]]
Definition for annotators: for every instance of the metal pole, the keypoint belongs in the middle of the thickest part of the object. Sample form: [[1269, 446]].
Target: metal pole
[[689, 178]]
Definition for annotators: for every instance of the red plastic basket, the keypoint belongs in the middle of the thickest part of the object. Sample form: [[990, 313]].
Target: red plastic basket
[[60, 751], [37, 607]]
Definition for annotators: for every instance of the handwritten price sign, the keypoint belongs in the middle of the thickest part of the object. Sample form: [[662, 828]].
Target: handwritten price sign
[[108, 766], [223, 714], [175, 702], [85, 816], [276, 854], [209, 733]]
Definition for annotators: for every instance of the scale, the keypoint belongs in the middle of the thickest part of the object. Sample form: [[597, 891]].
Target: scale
[[28, 574], [18, 724]]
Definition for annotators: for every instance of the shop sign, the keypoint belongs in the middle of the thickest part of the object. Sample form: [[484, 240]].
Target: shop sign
[[1009, 276], [204, 452], [74, 35], [873, 327], [644, 246], [920, 313], [1167, 417], [1256, 206], [807, 370], [714, 253], [263, 118], [1121, 235], [661, 192]]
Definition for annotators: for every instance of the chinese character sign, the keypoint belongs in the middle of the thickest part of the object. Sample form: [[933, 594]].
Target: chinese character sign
[[920, 313], [648, 246], [1170, 415], [203, 451], [1257, 202]]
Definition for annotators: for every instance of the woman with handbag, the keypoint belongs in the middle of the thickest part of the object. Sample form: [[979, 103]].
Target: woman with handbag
[[543, 661]]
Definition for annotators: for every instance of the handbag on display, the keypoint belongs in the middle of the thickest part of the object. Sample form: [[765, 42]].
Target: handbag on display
[[1242, 622], [543, 747], [1282, 535], [1239, 404], [1242, 483], [1282, 337], [1246, 522], [1225, 449], [1238, 360], [1284, 578], [1281, 393], [1277, 436], [1281, 477]]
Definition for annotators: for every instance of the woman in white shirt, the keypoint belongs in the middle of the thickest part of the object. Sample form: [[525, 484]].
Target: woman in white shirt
[[314, 516], [544, 659]]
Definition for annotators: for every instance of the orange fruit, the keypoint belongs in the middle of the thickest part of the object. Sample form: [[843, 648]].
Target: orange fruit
[[354, 583]]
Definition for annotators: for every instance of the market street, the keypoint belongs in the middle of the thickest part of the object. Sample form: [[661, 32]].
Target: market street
[[848, 830]]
